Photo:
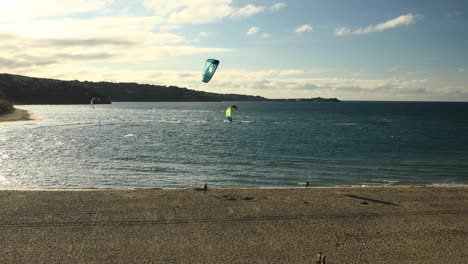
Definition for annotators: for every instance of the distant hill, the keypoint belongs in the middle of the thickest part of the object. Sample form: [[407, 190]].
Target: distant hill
[[29, 90], [316, 99], [26, 90]]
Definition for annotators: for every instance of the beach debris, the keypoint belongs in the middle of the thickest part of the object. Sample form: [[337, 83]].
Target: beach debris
[[365, 203], [229, 112], [92, 101], [210, 68], [321, 259]]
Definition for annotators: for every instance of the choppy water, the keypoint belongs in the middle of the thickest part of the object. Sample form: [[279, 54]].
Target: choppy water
[[271, 144]]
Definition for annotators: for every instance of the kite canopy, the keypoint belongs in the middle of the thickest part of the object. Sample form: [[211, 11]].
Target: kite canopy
[[92, 100], [210, 68], [229, 112]]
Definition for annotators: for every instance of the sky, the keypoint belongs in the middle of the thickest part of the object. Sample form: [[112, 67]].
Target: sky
[[349, 49]]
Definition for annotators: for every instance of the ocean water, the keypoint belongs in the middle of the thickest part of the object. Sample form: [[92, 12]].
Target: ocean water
[[270, 144]]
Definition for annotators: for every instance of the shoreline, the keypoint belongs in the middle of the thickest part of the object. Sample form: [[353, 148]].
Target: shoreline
[[200, 188], [17, 115], [349, 225]]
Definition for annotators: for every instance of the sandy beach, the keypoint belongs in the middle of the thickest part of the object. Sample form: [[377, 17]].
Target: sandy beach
[[349, 225], [17, 115]]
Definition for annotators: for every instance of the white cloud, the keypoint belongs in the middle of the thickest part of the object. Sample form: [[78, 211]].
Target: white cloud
[[54, 38], [45, 38], [200, 36], [277, 7], [292, 83], [125, 27], [247, 11], [199, 11], [253, 31], [461, 70], [13, 10], [303, 28], [75, 41], [403, 20]]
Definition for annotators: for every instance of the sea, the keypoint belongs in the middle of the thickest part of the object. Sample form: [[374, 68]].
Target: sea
[[269, 144]]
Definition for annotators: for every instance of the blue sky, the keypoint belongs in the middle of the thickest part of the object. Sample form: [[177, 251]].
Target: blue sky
[[353, 50]]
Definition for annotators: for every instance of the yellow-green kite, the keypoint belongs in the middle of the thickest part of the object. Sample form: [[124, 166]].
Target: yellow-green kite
[[229, 112]]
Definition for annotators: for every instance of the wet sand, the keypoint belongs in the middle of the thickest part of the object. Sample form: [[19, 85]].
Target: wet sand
[[17, 115], [349, 225]]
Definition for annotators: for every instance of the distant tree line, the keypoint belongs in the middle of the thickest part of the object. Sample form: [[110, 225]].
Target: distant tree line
[[28, 90], [5, 106]]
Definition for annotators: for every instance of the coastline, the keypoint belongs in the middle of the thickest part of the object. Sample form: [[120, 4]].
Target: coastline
[[198, 188], [17, 115], [384, 224]]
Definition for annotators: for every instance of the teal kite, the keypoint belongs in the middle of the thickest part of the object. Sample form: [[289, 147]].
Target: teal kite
[[210, 68]]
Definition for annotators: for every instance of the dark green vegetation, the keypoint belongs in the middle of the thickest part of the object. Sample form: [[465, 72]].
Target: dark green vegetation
[[28, 90], [5, 106]]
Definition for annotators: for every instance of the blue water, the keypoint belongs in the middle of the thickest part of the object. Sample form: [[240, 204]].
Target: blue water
[[271, 144]]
